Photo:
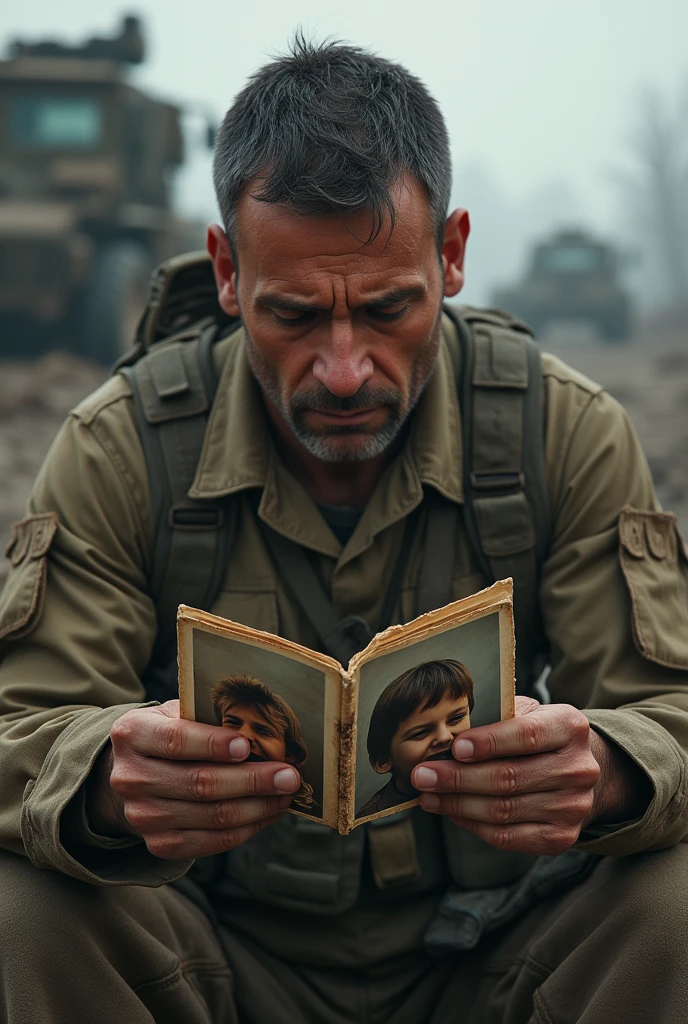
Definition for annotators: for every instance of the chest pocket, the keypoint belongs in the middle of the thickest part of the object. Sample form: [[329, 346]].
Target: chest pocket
[[299, 864], [655, 567]]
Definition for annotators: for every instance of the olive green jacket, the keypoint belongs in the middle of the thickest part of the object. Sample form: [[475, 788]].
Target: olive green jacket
[[77, 625]]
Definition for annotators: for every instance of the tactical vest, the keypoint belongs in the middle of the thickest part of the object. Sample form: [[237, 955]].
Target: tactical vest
[[297, 864]]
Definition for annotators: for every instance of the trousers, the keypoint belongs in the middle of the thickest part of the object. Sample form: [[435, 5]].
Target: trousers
[[612, 950]]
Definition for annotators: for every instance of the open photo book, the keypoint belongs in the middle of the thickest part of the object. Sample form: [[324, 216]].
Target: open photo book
[[355, 734]]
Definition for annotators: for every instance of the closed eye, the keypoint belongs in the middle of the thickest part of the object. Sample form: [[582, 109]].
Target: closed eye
[[292, 321], [418, 734], [388, 318]]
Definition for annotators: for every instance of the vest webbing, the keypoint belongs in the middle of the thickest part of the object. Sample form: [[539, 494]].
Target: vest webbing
[[505, 510]]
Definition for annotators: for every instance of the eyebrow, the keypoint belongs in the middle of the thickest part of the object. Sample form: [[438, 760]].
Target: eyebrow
[[273, 300]]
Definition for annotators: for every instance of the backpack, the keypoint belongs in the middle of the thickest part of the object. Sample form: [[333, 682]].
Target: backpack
[[506, 512]]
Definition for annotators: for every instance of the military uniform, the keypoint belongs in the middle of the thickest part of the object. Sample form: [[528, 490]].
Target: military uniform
[[310, 933]]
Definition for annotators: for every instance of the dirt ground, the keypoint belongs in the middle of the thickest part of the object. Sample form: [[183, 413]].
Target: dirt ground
[[649, 378]]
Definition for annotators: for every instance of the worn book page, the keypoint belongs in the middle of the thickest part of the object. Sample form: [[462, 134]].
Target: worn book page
[[416, 688], [284, 698]]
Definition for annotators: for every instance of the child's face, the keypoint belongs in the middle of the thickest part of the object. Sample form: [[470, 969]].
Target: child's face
[[425, 735], [267, 742]]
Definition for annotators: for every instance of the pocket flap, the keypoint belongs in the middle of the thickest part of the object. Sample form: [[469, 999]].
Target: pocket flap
[[654, 565], [21, 601]]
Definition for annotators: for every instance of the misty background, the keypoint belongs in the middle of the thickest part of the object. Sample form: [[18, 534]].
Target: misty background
[[561, 115], [555, 110]]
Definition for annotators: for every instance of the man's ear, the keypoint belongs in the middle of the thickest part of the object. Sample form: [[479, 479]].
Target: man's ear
[[383, 767], [220, 253], [456, 232]]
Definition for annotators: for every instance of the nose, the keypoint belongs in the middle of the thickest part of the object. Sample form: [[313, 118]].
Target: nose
[[443, 735], [342, 364], [247, 732]]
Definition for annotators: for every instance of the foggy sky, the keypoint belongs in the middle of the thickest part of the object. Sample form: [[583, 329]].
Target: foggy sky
[[538, 95]]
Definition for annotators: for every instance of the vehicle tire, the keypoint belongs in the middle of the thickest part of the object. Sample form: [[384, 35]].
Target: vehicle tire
[[114, 300]]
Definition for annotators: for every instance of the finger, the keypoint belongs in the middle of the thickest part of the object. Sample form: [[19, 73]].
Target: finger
[[534, 774], [150, 777], [549, 727], [527, 837], [568, 807], [186, 844], [150, 816], [176, 739]]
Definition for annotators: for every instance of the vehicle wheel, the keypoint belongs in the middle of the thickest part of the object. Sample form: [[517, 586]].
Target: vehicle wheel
[[113, 301]]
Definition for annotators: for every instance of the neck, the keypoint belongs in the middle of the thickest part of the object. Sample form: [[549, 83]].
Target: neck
[[330, 483]]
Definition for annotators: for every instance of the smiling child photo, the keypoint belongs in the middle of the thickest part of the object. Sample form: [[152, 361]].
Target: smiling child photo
[[273, 731], [416, 719]]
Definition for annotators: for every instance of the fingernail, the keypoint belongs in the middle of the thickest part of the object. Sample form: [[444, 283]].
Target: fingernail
[[430, 801], [286, 780], [424, 778], [463, 748], [238, 748]]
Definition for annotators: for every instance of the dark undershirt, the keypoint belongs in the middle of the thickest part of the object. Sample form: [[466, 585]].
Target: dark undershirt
[[341, 519]]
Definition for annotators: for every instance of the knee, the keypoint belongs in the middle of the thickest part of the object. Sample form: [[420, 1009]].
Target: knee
[[649, 895], [39, 907]]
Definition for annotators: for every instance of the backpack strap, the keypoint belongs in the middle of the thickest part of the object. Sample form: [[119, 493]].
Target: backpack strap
[[506, 506], [173, 387]]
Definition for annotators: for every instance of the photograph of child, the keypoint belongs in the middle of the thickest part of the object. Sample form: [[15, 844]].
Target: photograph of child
[[273, 731], [416, 718]]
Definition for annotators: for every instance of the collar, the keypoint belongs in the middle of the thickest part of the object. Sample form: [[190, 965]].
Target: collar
[[238, 453]]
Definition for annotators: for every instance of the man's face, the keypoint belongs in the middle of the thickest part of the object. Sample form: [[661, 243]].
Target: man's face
[[266, 741], [425, 736], [342, 336]]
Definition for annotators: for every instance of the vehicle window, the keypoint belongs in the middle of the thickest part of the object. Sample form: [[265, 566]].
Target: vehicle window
[[569, 259], [50, 122]]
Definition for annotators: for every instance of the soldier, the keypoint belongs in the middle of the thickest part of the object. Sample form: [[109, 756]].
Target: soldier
[[338, 481]]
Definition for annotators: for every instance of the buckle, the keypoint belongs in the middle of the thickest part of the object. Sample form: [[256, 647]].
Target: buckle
[[484, 480], [196, 517]]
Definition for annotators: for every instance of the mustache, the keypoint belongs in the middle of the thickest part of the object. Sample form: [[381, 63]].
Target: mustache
[[322, 400]]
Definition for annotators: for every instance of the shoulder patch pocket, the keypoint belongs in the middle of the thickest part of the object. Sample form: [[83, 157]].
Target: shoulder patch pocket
[[21, 602], [655, 566]]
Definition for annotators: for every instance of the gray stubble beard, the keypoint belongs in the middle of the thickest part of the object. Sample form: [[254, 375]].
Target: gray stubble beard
[[318, 444]]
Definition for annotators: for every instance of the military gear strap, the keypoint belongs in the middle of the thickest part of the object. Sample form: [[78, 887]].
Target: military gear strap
[[506, 507], [173, 390], [393, 852]]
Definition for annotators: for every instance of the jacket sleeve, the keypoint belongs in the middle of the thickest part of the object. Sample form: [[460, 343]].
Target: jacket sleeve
[[76, 632], [614, 597]]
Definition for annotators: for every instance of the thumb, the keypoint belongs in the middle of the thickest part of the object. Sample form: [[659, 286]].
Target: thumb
[[524, 705]]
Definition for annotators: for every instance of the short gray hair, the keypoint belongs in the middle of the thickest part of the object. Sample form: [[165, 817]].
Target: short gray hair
[[329, 128]]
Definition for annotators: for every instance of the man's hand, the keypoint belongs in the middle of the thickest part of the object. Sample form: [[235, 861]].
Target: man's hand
[[532, 782], [182, 786]]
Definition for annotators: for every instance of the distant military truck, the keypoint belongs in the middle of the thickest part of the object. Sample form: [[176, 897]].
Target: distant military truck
[[572, 276], [86, 163]]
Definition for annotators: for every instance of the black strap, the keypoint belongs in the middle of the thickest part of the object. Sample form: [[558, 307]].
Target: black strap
[[341, 638]]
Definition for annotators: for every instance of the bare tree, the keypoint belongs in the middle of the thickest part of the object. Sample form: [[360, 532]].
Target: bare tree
[[657, 186]]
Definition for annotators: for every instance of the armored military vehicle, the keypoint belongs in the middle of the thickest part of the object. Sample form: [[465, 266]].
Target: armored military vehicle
[[572, 276], [86, 162]]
